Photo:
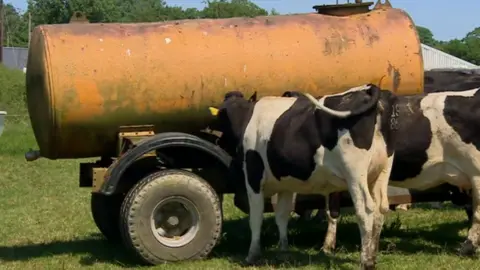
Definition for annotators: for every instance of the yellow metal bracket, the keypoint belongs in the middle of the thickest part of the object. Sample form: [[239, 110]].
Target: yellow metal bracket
[[98, 178], [129, 136]]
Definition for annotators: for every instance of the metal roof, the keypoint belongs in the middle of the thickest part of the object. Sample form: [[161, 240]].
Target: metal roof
[[434, 59]]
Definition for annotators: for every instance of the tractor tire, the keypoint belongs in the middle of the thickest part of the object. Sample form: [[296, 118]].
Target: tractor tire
[[169, 216], [106, 212]]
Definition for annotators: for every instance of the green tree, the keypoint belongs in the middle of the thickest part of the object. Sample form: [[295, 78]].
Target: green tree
[[426, 36], [60, 11], [467, 48], [142, 10], [472, 42], [233, 8], [192, 13], [15, 27], [274, 12]]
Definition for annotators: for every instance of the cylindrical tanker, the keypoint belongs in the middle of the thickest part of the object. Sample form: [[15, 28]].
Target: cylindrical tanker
[[84, 81]]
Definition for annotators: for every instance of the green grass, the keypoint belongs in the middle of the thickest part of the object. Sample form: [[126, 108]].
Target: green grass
[[45, 220], [45, 223]]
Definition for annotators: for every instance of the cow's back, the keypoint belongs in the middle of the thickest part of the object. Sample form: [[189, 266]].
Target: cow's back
[[451, 80]]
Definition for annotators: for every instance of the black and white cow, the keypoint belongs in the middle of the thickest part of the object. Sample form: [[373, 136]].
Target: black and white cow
[[437, 142], [309, 146], [451, 80]]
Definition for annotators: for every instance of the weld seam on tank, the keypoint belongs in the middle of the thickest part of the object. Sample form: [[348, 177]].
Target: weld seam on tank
[[52, 91]]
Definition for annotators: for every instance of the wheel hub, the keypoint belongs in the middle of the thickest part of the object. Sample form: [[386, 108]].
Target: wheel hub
[[174, 221]]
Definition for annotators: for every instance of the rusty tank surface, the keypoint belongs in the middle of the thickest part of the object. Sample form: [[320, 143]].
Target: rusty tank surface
[[85, 81]]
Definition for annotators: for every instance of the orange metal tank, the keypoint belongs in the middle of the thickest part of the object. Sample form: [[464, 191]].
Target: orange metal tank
[[84, 81]]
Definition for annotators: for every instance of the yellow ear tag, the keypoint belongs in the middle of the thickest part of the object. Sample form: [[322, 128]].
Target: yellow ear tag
[[213, 111]]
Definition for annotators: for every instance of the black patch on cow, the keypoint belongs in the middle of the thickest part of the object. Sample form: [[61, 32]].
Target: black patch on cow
[[390, 116], [361, 127], [463, 114], [334, 202], [302, 129], [412, 139], [232, 120], [233, 117], [255, 169]]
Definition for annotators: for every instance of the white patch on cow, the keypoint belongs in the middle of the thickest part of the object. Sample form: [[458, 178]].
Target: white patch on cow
[[129, 52], [167, 40], [100, 39], [244, 68]]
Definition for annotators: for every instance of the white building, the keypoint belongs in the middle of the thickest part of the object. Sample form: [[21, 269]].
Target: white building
[[436, 59]]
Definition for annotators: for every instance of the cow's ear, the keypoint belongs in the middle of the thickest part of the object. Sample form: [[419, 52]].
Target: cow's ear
[[253, 98], [213, 111]]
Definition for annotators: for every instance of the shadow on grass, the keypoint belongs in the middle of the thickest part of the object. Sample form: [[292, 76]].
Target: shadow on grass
[[236, 239], [443, 237], [94, 248]]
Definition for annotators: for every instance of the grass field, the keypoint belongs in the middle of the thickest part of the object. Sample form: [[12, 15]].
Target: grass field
[[45, 220], [45, 223]]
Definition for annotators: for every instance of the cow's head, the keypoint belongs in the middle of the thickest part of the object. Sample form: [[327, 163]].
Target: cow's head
[[231, 119]]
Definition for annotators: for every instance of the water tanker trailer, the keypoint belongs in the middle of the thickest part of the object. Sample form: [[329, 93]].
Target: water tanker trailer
[[136, 97]]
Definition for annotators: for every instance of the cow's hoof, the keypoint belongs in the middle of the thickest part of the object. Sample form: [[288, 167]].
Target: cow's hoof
[[283, 245], [403, 207], [284, 256], [467, 249], [327, 250], [368, 266], [252, 259]]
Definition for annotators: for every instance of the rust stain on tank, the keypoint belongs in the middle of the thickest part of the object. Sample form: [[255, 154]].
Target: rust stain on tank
[[395, 75], [86, 80], [368, 34]]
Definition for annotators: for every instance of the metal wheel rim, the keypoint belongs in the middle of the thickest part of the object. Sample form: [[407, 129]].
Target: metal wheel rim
[[173, 226]]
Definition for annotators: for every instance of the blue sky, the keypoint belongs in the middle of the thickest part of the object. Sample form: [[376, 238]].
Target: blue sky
[[446, 19]]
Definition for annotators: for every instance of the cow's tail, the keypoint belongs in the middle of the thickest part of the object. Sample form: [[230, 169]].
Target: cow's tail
[[375, 93]]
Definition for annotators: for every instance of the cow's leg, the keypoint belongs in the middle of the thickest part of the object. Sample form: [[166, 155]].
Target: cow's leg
[[332, 203], [282, 214], [364, 209], [473, 239], [379, 191], [256, 203], [254, 174]]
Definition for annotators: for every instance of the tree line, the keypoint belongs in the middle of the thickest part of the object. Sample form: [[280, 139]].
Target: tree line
[[467, 48], [126, 11], [60, 11]]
